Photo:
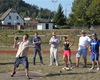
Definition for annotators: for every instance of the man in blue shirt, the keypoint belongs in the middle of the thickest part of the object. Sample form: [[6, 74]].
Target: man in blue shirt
[[37, 42], [95, 50]]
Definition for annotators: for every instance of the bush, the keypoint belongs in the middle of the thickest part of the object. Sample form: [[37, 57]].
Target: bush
[[65, 27]]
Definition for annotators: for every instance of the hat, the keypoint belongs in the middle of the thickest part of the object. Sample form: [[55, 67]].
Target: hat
[[83, 31], [94, 34]]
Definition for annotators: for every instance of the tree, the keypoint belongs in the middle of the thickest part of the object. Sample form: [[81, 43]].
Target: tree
[[59, 17], [24, 9], [93, 12], [86, 12]]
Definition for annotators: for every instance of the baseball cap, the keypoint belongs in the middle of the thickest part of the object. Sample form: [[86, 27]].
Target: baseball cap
[[83, 31]]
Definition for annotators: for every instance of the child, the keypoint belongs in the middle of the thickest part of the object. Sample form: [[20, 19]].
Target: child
[[67, 52], [95, 50]]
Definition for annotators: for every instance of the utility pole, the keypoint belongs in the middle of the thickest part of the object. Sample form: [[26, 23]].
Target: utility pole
[[54, 1], [66, 10]]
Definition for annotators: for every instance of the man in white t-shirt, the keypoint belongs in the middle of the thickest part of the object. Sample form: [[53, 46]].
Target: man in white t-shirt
[[82, 48]]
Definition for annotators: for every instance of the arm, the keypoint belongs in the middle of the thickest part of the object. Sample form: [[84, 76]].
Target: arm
[[51, 41], [38, 42], [89, 48], [71, 44], [99, 50], [15, 45], [57, 41]]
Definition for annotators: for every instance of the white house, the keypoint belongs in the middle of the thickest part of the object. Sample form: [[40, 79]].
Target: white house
[[11, 17], [44, 26]]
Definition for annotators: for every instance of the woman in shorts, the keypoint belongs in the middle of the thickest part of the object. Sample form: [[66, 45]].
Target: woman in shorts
[[67, 52]]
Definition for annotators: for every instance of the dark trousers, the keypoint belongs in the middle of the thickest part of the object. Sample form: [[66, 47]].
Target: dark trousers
[[34, 55]]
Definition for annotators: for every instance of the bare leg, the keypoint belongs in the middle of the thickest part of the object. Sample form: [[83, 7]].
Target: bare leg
[[85, 62], [65, 61], [13, 72], [77, 62], [27, 72], [70, 62], [98, 63], [92, 64]]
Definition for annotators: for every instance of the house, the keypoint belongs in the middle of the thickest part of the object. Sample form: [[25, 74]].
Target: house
[[11, 19], [44, 25]]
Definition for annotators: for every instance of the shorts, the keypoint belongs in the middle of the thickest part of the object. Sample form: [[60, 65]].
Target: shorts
[[24, 61], [67, 53], [94, 56], [82, 52]]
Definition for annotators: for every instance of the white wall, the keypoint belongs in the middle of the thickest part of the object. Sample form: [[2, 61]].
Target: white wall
[[50, 25], [13, 19], [39, 26], [42, 26]]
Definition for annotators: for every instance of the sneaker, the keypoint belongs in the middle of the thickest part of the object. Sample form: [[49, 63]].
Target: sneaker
[[91, 68], [42, 63], [12, 74], [98, 68], [56, 64], [50, 65]]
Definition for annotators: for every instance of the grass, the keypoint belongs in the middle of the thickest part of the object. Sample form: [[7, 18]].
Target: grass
[[51, 72], [7, 36]]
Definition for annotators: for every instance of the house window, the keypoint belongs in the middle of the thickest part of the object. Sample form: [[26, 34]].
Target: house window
[[17, 17], [9, 23], [9, 17], [47, 26], [18, 23]]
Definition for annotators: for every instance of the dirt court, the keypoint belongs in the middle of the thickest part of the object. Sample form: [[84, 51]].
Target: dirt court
[[20, 75]]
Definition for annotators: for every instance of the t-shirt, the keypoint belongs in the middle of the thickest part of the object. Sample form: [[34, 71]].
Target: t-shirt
[[37, 39], [23, 48], [84, 41], [94, 45]]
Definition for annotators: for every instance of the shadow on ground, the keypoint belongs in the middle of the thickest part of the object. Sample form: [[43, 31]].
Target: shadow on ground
[[20, 75]]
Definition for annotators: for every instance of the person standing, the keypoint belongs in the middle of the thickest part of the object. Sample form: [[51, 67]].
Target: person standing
[[37, 42], [95, 51], [67, 52], [82, 48], [22, 55], [54, 42]]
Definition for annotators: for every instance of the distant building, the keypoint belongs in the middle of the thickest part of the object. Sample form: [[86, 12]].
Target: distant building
[[11, 19], [44, 25]]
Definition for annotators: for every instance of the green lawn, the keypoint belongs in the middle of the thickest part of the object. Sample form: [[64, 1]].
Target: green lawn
[[51, 72]]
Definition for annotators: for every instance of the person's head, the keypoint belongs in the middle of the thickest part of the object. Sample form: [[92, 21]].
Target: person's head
[[83, 33], [53, 34], [36, 34], [25, 37], [94, 36], [64, 38]]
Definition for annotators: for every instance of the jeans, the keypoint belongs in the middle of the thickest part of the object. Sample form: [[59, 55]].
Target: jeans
[[24, 61], [34, 55]]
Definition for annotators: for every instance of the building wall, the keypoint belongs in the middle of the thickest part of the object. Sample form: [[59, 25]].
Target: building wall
[[50, 25], [13, 19], [42, 26]]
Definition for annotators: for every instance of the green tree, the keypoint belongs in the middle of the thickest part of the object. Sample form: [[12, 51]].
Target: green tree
[[59, 17], [93, 12], [85, 12], [24, 9]]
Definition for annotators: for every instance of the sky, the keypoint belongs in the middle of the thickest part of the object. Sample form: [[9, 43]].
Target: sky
[[53, 4]]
